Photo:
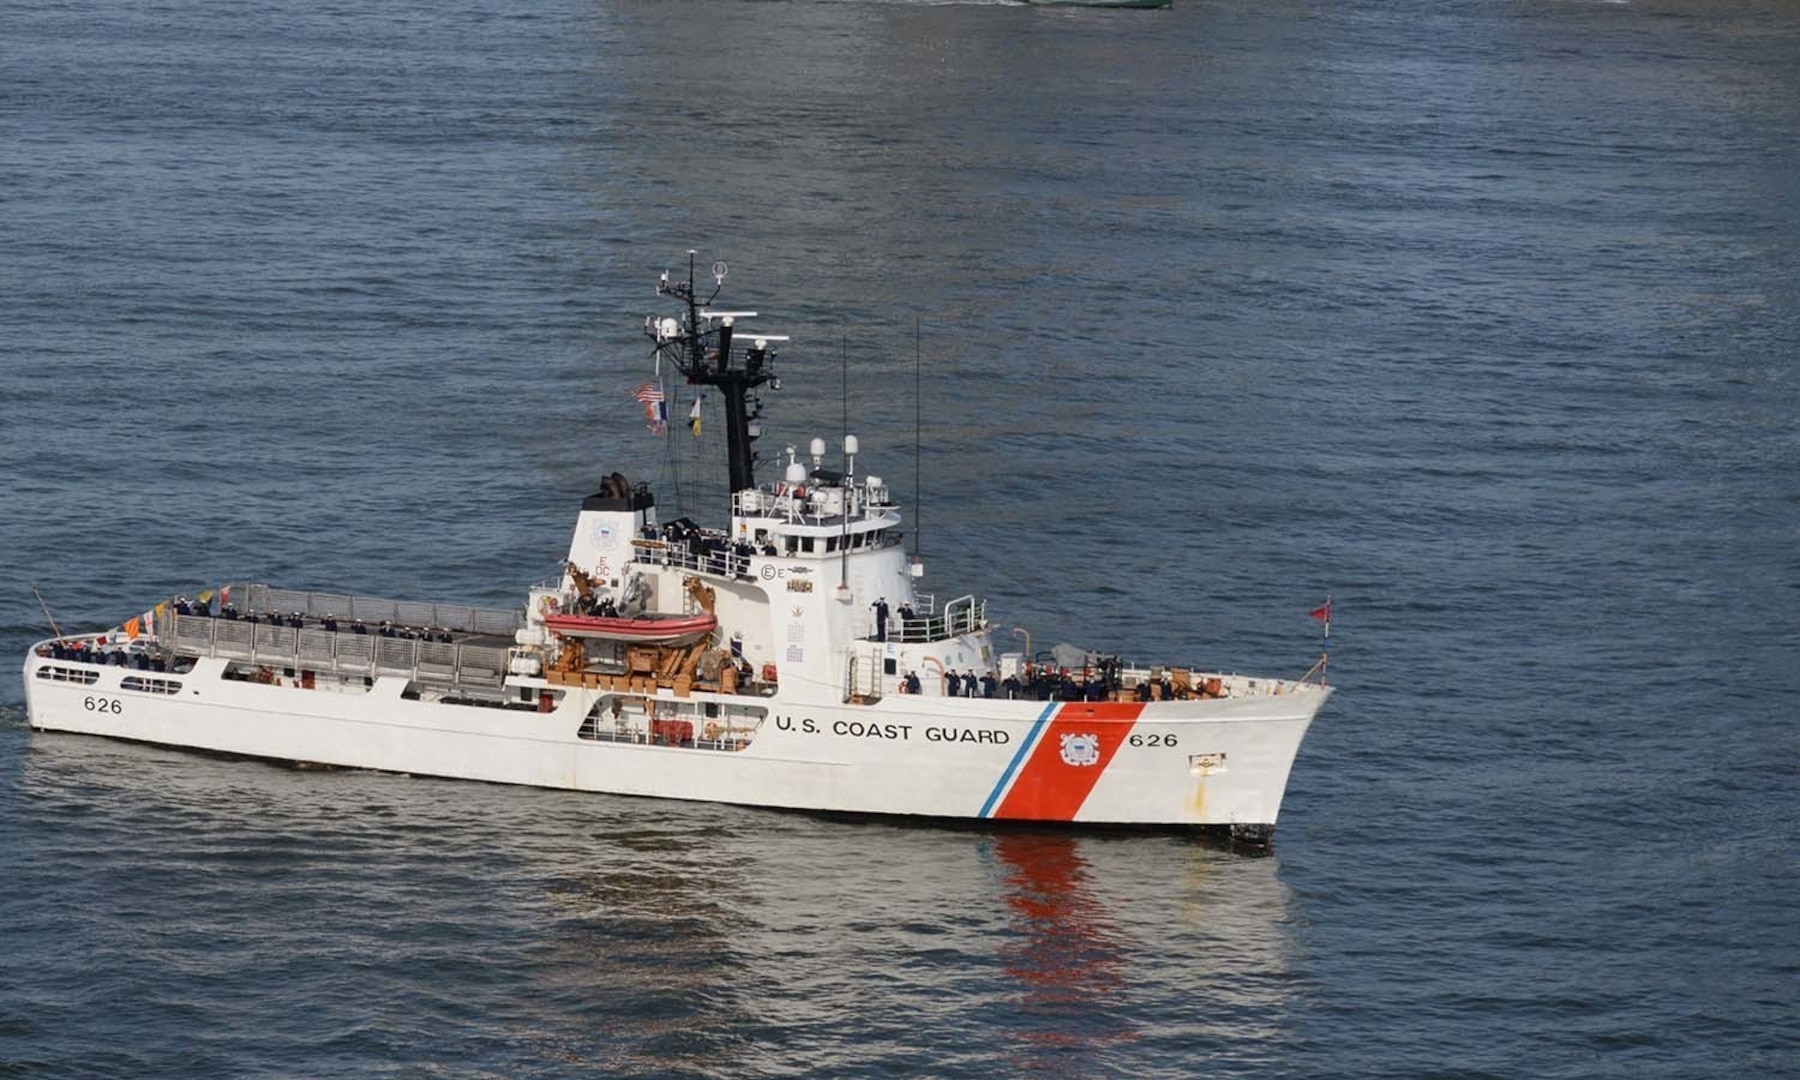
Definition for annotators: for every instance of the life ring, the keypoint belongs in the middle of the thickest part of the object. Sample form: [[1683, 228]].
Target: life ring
[[768, 673], [549, 606], [713, 730]]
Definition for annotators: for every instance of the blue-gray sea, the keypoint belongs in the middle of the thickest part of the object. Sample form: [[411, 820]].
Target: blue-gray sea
[[1481, 318]]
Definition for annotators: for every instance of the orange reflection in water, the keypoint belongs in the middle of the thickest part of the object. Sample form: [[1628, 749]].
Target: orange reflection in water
[[1069, 958]]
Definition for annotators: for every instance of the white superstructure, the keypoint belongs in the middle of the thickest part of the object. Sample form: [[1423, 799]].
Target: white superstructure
[[786, 660]]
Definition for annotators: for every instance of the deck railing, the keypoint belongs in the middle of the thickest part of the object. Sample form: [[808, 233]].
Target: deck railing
[[374, 611], [721, 562], [963, 615], [337, 652]]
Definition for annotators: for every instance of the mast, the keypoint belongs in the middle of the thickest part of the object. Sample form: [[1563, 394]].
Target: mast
[[702, 349]]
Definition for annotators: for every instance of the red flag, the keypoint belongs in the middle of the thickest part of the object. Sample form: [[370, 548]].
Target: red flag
[[1322, 613]]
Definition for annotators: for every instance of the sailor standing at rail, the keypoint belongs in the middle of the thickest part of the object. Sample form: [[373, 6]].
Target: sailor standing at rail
[[881, 619]]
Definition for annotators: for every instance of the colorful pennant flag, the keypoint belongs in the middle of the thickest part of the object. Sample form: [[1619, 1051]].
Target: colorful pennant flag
[[694, 418]]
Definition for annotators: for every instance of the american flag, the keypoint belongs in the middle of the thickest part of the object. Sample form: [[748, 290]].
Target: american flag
[[656, 413]]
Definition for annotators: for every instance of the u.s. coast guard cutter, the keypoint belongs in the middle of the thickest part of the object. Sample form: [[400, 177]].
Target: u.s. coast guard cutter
[[786, 660]]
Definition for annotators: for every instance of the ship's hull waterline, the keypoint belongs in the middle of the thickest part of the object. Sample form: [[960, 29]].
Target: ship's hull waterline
[[1177, 763]]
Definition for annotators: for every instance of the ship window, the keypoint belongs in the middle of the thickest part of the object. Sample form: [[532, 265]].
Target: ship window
[[806, 543], [63, 674], [890, 666], [831, 543], [150, 686]]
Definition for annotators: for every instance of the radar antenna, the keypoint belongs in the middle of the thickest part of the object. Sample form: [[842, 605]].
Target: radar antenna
[[702, 349]]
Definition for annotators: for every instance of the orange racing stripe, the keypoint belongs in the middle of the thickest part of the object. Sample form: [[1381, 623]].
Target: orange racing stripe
[[1049, 788]]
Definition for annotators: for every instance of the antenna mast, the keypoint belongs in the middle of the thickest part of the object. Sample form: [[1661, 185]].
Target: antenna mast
[[844, 531], [918, 423], [704, 353]]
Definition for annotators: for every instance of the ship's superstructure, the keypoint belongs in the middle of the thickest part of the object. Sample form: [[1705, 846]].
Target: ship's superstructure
[[787, 659]]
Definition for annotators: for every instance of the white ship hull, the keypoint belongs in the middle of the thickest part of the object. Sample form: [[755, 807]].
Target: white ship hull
[[759, 664], [1218, 762]]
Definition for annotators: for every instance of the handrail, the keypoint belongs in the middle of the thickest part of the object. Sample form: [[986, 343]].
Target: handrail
[[338, 652], [347, 608], [863, 501], [720, 562], [964, 615]]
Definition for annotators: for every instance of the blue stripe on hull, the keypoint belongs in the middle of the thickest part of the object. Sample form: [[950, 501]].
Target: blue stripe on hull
[[1012, 767]]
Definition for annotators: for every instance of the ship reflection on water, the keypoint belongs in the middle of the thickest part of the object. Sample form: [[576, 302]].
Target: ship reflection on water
[[623, 936], [1153, 943], [1067, 957]]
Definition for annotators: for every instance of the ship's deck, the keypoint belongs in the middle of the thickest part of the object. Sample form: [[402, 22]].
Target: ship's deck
[[345, 635]]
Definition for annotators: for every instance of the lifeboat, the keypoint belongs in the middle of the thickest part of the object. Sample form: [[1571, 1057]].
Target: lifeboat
[[641, 629]]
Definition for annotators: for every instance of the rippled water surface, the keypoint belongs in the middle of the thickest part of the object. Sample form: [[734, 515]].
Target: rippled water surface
[[1481, 318]]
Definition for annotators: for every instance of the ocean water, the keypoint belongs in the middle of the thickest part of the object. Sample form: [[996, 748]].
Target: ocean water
[[1481, 318]]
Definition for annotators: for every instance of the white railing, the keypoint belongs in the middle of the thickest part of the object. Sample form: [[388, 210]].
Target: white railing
[[316, 649], [804, 505], [964, 615], [374, 611], [719, 561]]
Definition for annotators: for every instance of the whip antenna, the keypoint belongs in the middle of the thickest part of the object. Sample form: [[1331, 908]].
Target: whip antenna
[[57, 630]]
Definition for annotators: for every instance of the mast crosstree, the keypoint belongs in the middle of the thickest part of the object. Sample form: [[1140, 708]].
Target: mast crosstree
[[702, 348]]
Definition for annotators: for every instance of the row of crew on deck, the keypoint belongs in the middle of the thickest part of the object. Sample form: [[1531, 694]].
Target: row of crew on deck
[[1039, 684], [388, 630], [299, 621], [707, 549], [81, 652], [967, 684]]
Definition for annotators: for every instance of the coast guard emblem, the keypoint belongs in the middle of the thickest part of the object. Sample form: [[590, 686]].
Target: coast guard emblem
[[1081, 749]]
